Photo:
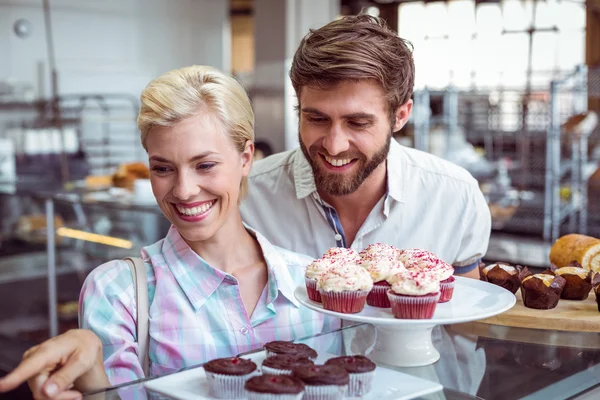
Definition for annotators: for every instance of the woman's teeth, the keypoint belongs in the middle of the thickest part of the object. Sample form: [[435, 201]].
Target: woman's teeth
[[193, 211], [337, 162]]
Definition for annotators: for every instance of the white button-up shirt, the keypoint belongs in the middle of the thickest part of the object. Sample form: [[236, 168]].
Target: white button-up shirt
[[430, 204]]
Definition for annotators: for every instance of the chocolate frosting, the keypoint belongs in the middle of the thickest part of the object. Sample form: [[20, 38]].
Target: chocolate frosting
[[230, 366], [287, 361], [299, 349], [353, 364], [275, 384], [321, 375]]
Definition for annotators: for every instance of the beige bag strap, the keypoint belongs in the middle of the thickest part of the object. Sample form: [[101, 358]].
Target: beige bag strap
[[140, 282]]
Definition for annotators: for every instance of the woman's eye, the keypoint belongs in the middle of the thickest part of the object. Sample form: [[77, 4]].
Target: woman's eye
[[160, 169], [205, 166]]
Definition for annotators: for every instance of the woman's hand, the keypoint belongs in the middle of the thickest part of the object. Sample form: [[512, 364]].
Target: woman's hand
[[61, 368]]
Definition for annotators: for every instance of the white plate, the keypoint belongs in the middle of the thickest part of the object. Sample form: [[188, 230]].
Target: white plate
[[472, 300], [387, 385]]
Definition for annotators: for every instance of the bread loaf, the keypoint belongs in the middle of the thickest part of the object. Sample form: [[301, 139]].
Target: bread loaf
[[574, 247]]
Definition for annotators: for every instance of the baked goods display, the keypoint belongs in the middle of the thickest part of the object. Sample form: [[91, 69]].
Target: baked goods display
[[541, 291], [501, 274], [345, 280], [287, 373], [126, 174], [596, 284], [574, 247]]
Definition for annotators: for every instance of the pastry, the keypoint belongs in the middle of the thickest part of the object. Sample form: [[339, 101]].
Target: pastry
[[297, 349], [574, 247], [274, 387], [426, 261], [345, 289], [361, 370], [501, 274], [596, 284], [578, 281], [414, 295], [313, 271], [541, 291], [381, 262], [323, 382], [227, 376], [283, 364], [342, 254], [126, 174]]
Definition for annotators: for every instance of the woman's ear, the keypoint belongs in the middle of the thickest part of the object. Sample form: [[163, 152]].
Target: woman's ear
[[247, 157]]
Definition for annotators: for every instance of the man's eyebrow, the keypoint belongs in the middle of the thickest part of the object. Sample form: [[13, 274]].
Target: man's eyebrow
[[359, 115], [309, 110]]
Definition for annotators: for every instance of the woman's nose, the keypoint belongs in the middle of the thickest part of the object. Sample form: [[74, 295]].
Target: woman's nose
[[186, 187]]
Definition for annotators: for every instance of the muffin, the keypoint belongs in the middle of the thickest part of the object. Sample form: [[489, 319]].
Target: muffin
[[596, 284], [313, 271], [361, 371], [380, 266], [414, 295], [274, 387], [227, 376], [279, 347], [323, 382], [501, 274], [541, 291], [578, 281], [283, 364], [426, 261], [345, 290]]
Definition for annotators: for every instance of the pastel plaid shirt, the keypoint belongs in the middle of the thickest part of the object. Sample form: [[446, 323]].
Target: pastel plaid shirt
[[196, 311]]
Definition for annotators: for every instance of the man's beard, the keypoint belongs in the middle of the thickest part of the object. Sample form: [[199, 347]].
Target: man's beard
[[339, 184]]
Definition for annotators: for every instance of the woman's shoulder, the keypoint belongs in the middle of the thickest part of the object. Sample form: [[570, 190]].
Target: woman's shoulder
[[114, 276]]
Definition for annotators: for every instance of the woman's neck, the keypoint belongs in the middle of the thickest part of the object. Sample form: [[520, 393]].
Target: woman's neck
[[230, 249]]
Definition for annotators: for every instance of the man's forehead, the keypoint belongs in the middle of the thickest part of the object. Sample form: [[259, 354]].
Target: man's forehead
[[346, 97]]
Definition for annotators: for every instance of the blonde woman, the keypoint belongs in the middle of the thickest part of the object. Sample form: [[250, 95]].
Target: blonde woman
[[216, 287]]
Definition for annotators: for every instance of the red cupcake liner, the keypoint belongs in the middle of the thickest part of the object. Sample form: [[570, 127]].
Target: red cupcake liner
[[347, 302], [446, 289], [378, 295], [413, 307], [311, 289]]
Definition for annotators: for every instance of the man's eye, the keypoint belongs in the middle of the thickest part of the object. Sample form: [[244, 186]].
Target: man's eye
[[358, 125], [317, 120]]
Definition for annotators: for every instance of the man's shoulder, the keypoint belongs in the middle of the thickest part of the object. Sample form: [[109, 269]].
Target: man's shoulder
[[425, 164], [276, 163]]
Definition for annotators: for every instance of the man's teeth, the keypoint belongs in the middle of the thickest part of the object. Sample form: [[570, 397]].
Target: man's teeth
[[193, 211], [337, 162]]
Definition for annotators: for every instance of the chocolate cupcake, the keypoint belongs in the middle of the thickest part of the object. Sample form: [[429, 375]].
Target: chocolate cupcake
[[578, 281], [283, 364], [297, 349], [323, 382], [541, 291], [274, 387], [596, 284], [361, 371], [227, 376], [501, 274]]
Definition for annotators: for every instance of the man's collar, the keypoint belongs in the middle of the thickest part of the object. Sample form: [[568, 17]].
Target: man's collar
[[304, 179]]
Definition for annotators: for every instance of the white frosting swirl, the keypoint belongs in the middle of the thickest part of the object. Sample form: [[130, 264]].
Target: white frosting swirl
[[380, 250], [343, 254], [351, 277], [414, 283], [317, 267], [426, 261]]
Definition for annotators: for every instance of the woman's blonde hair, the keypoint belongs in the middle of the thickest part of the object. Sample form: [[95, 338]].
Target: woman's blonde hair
[[184, 92]]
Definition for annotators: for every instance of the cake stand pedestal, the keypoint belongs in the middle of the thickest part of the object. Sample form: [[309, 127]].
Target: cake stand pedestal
[[404, 345]]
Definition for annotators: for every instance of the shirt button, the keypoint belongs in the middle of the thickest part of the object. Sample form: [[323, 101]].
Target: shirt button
[[244, 330], [338, 237]]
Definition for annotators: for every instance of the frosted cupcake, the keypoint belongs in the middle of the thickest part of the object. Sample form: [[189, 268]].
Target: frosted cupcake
[[346, 256], [313, 271], [381, 250], [426, 261], [380, 267], [345, 289], [414, 294]]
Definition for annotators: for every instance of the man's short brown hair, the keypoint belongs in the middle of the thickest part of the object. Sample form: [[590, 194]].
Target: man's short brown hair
[[355, 48]]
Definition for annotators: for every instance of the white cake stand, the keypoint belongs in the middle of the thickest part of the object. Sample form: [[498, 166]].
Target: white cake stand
[[407, 342]]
